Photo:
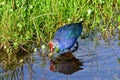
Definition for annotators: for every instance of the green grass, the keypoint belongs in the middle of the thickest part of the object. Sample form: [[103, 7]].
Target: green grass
[[23, 22]]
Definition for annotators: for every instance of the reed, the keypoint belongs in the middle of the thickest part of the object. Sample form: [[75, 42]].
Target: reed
[[24, 22]]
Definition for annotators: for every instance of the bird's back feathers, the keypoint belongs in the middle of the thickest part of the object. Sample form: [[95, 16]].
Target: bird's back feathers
[[68, 31]]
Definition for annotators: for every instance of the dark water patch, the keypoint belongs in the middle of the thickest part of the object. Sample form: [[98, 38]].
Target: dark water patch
[[66, 63]]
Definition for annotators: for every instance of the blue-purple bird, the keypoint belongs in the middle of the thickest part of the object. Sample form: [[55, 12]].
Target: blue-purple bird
[[65, 37]]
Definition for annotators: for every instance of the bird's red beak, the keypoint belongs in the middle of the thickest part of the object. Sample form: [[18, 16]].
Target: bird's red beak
[[51, 47]]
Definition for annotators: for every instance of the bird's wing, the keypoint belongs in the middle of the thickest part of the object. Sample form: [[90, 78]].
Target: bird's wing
[[68, 32], [74, 32]]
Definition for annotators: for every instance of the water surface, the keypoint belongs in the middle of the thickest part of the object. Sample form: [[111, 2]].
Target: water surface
[[89, 62]]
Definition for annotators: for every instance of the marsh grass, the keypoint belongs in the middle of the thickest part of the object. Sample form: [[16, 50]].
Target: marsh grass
[[24, 22]]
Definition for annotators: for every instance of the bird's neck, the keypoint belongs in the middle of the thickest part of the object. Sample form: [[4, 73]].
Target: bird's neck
[[55, 43], [58, 44]]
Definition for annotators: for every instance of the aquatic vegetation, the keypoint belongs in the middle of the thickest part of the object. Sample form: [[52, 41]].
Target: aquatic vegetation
[[24, 22]]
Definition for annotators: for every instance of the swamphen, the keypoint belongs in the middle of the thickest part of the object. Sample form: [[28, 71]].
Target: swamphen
[[65, 37]]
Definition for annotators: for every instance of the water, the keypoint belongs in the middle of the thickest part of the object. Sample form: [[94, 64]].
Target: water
[[89, 62]]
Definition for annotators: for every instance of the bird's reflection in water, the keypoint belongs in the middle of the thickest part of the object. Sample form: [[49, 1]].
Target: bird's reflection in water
[[65, 63]]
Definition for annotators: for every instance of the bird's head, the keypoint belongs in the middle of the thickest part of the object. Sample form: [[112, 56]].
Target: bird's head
[[54, 47]]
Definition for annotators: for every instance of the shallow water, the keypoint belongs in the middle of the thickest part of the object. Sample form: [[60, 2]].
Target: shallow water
[[89, 62]]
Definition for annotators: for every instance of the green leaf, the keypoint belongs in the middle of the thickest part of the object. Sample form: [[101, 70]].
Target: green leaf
[[15, 44], [119, 27], [57, 49], [118, 18], [43, 46], [19, 25]]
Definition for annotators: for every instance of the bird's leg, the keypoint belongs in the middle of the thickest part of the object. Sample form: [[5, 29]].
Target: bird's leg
[[75, 47]]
